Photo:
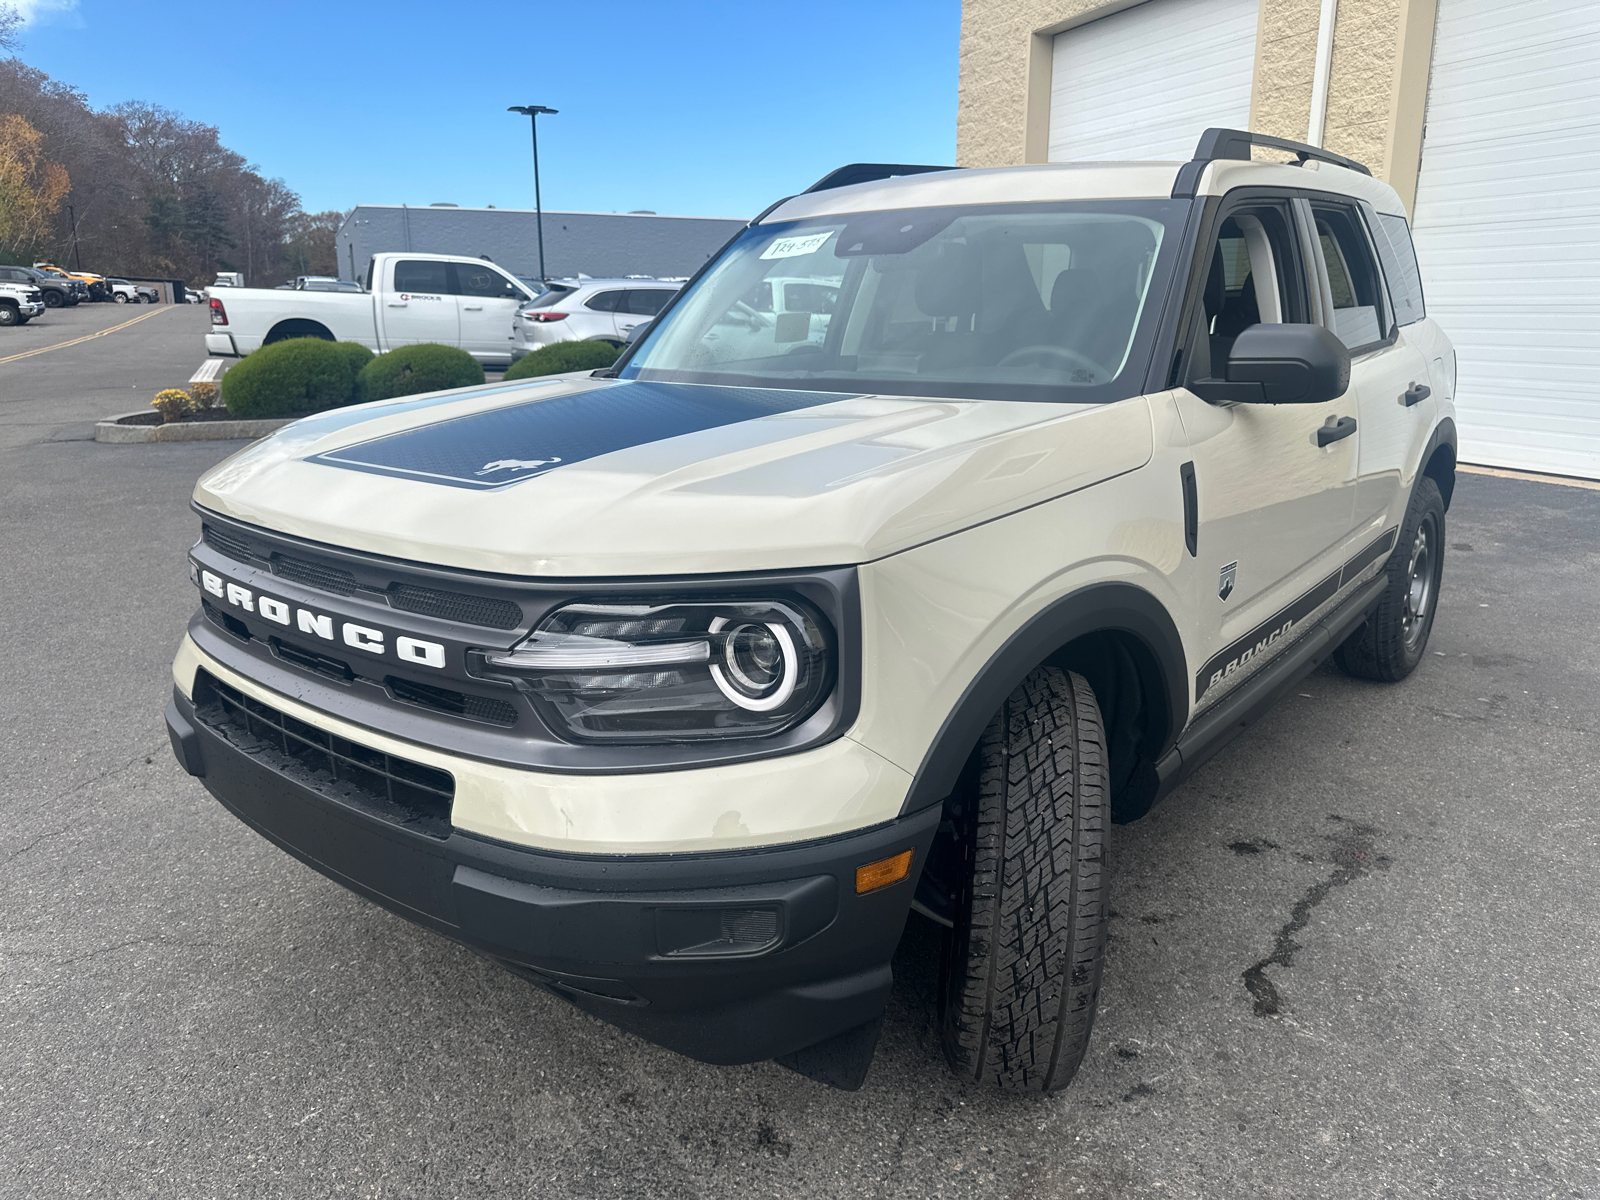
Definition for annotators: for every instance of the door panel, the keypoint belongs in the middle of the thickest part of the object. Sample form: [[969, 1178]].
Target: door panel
[[1275, 509], [419, 306], [1384, 362], [488, 300]]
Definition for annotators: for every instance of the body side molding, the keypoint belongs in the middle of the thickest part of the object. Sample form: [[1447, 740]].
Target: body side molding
[[1098, 608]]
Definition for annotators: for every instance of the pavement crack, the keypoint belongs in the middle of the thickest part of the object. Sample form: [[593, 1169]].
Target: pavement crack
[[1353, 857], [135, 760]]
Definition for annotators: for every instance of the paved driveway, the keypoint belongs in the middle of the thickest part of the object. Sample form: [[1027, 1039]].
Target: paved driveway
[[1353, 957]]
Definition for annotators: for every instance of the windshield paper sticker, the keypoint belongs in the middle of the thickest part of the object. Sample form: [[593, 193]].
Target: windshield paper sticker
[[793, 247]]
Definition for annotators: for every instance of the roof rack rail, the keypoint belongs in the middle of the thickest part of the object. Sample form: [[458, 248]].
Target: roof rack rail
[[867, 173], [1236, 143]]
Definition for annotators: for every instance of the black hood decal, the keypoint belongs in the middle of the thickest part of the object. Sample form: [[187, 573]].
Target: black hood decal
[[507, 445]]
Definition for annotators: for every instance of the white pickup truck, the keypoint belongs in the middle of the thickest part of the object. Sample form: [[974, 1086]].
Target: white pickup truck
[[409, 298]]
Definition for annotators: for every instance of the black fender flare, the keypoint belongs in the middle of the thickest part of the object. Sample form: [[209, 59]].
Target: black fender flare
[[1444, 434], [1098, 608]]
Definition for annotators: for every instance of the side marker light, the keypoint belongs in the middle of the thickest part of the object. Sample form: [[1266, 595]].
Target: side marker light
[[883, 872]]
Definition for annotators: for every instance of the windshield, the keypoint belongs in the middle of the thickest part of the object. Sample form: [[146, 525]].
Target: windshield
[[1015, 302]]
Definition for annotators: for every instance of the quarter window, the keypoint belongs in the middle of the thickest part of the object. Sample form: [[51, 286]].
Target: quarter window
[[422, 275], [1399, 259], [1357, 316]]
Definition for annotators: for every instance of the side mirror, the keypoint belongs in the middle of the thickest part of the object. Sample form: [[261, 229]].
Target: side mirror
[[1281, 364]]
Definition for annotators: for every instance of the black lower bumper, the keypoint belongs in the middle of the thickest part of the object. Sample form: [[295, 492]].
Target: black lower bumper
[[728, 957]]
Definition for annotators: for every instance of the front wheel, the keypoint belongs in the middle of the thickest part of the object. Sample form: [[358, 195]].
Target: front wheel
[[9, 315], [1022, 961], [52, 299], [120, 298], [1392, 641]]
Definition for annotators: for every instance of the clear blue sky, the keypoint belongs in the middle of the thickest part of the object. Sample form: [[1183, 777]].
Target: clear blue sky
[[693, 108]]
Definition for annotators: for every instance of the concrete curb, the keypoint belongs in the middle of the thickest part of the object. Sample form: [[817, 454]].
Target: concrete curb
[[112, 430]]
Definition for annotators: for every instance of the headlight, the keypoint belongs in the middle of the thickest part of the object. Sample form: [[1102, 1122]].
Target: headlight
[[672, 671]]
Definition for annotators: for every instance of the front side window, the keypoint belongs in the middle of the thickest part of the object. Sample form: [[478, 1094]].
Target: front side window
[[1049, 302], [474, 280], [422, 275], [1357, 314], [1253, 277]]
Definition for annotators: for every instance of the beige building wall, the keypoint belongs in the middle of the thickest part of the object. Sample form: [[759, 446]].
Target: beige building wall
[[1377, 84]]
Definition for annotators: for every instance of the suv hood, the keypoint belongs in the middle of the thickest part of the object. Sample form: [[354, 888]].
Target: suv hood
[[565, 477]]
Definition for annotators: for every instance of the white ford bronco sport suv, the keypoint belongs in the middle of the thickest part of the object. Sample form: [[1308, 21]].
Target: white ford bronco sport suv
[[676, 687]]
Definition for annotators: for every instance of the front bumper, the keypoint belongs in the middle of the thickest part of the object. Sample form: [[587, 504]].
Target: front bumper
[[31, 310], [650, 943]]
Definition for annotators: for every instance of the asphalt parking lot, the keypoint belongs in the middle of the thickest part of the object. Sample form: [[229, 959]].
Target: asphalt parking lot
[[1355, 956]]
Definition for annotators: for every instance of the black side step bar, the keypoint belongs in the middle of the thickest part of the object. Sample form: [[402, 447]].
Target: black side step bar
[[1231, 717]]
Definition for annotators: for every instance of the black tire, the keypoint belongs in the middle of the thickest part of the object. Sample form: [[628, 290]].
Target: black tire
[[9, 315], [1022, 962], [52, 299], [1392, 641]]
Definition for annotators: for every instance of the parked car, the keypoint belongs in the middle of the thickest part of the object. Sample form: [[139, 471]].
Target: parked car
[[601, 310], [20, 301], [59, 288], [123, 292], [462, 302], [88, 289], [53, 292], [677, 689], [229, 279]]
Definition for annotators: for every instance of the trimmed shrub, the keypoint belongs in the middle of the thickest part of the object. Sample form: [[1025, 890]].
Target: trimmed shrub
[[422, 368], [285, 379], [171, 403], [560, 357], [358, 355]]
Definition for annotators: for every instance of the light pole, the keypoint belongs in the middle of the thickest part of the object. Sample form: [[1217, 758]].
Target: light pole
[[73, 221], [532, 111]]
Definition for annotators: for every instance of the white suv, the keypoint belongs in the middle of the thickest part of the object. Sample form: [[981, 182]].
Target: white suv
[[676, 689], [600, 310]]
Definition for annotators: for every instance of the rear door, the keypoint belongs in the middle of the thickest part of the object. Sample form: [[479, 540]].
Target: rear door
[[1394, 405], [640, 306], [420, 304], [487, 301], [1274, 507]]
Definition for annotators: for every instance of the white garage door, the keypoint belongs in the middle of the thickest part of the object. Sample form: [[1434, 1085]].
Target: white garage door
[[1146, 82], [1508, 226]]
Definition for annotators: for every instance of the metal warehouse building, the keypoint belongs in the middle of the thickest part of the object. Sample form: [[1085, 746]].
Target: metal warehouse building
[[1483, 114], [597, 244]]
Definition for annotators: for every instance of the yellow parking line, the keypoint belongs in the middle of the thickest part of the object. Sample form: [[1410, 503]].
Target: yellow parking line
[[88, 337]]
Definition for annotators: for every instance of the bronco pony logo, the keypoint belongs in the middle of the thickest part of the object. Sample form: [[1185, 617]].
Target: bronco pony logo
[[515, 464]]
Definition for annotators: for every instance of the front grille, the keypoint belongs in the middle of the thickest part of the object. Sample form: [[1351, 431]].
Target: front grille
[[465, 608], [314, 574], [310, 660], [235, 548], [455, 606], [457, 704], [384, 785], [230, 623]]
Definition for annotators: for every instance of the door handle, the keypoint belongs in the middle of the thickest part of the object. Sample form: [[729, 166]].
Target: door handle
[[1335, 431], [397, 304], [1416, 394], [473, 307]]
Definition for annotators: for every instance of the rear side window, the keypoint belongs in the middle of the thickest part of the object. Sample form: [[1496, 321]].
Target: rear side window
[[1399, 258], [646, 302], [1357, 317], [606, 302], [422, 275]]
